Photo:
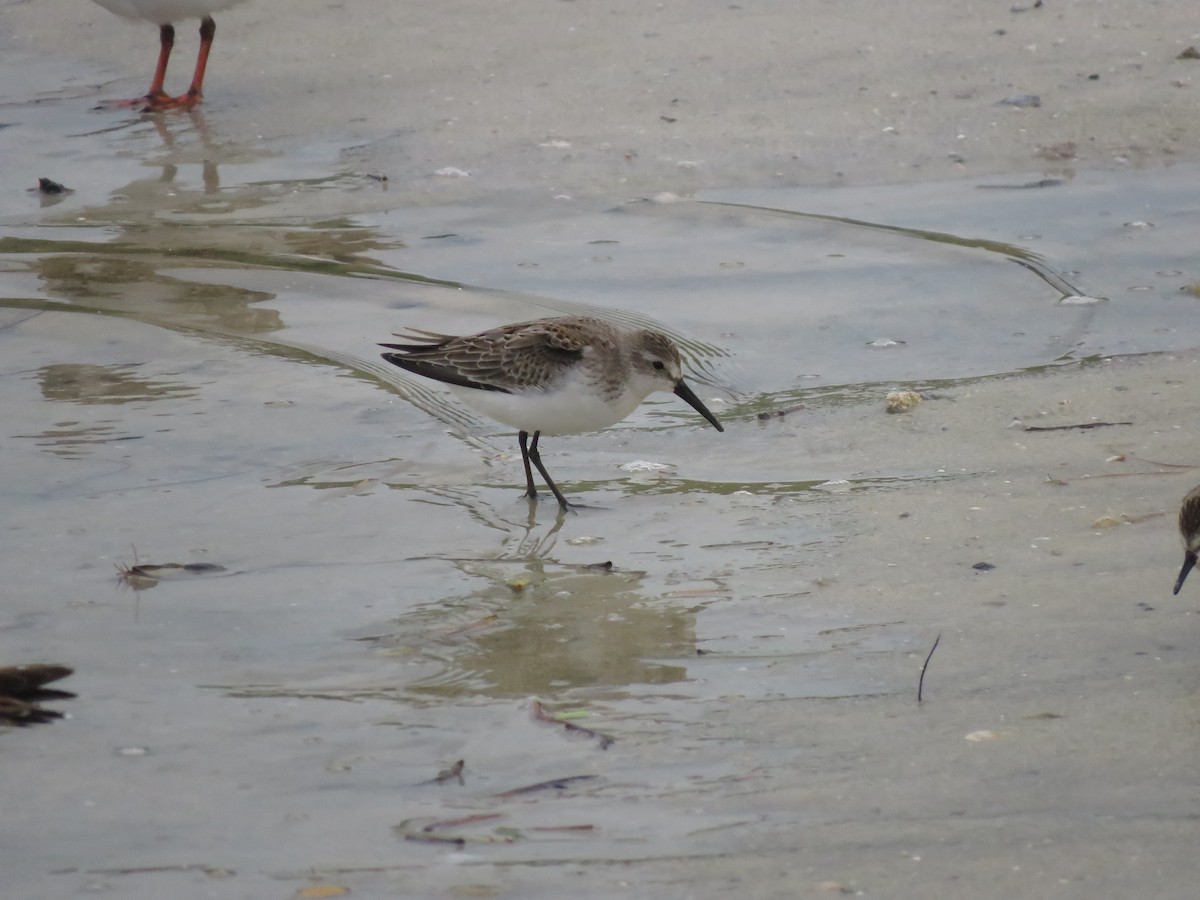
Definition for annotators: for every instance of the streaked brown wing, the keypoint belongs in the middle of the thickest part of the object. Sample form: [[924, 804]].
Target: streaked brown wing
[[510, 358]]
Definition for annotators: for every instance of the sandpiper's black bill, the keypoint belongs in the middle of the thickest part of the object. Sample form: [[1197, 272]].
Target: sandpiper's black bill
[[685, 393], [1189, 560]]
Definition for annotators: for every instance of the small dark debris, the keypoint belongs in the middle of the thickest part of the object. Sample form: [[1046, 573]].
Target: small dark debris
[[556, 784], [1189, 53], [668, 119], [428, 833], [779, 413], [925, 666], [434, 838], [150, 570], [22, 686], [541, 715], [47, 186], [453, 773], [1082, 425], [375, 177], [1021, 101], [142, 576], [983, 566], [1095, 76], [1040, 183], [1058, 152], [192, 568]]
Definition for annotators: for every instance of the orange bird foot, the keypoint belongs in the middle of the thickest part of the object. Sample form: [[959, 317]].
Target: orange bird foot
[[158, 100], [152, 103]]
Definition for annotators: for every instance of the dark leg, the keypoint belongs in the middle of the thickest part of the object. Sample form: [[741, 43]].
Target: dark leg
[[537, 461], [523, 440]]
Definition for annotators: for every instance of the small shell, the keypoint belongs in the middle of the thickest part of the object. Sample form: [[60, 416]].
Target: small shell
[[984, 735], [644, 465], [901, 401]]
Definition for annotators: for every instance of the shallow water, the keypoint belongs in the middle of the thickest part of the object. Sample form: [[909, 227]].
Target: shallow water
[[189, 345]]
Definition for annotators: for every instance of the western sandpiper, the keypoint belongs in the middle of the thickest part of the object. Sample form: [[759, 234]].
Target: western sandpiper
[[162, 13], [555, 376], [1189, 529]]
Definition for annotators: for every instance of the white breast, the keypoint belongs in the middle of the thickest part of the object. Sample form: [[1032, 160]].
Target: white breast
[[572, 407], [164, 12]]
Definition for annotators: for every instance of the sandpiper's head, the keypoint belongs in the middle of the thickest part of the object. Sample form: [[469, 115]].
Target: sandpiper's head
[[655, 360]]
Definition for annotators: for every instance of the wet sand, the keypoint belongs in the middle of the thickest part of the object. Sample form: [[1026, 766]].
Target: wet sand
[[616, 98], [188, 339]]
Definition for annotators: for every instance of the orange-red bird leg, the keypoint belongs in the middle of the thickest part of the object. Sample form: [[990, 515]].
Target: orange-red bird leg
[[166, 40], [208, 28], [157, 99], [156, 94]]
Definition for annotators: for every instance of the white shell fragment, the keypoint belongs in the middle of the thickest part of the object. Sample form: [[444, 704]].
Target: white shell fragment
[[983, 735], [644, 465]]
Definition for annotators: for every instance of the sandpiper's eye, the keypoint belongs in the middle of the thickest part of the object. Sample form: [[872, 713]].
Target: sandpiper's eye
[[659, 365]]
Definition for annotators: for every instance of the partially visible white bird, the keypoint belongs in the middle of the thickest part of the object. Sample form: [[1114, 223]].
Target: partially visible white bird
[[163, 13]]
